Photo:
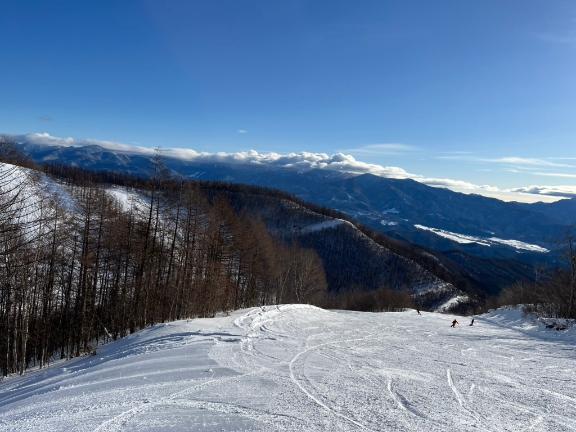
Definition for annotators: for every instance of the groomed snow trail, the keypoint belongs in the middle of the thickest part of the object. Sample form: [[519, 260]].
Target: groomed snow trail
[[300, 368]]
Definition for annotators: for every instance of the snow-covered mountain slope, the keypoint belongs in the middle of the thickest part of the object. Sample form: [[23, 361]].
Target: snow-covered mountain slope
[[297, 367], [27, 196], [33, 194]]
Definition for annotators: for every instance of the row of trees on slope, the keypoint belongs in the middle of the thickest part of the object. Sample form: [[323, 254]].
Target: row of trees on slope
[[551, 294], [92, 268]]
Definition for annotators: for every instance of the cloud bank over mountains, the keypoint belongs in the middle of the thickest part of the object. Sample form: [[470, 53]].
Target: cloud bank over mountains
[[561, 191], [303, 161], [300, 160]]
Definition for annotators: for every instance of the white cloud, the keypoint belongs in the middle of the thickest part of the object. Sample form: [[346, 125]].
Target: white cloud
[[510, 195], [300, 160], [308, 160], [452, 184], [45, 138], [563, 191], [241, 131], [555, 174], [522, 161], [516, 161], [382, 149]]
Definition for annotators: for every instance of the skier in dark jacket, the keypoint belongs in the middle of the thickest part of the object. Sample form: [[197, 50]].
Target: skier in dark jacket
[[472, 322], [454, 323]]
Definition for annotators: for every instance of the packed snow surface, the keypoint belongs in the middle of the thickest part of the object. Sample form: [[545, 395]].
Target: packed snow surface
[[300, 368]]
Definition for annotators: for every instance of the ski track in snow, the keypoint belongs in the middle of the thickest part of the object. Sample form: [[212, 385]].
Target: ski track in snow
[[300, 368]]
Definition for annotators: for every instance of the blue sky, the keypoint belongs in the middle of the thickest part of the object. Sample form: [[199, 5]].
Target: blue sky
[[479, 91]]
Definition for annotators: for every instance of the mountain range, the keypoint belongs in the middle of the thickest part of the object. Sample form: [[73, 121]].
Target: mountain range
[[494, 242]]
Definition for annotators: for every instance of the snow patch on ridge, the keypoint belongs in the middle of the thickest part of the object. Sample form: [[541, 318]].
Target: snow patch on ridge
[[327, 224], [483, 241], [127, 199], [516, 244], [458, 238], [385, 222], [392, 210]]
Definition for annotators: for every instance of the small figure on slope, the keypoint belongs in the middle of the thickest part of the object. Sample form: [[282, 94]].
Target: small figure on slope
[[454, 323], [472, 322], [418, 311]]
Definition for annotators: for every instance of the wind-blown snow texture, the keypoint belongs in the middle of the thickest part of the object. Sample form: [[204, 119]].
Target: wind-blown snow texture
[[300, 368]]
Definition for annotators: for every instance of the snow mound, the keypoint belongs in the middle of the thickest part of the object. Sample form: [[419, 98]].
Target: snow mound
[[515, 317]]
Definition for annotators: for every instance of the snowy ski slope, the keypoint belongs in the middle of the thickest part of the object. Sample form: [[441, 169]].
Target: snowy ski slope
[[300, 368]]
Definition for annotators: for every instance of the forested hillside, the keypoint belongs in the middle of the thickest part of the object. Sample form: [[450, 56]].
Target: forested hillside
[[354, 257], [78, 265]]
